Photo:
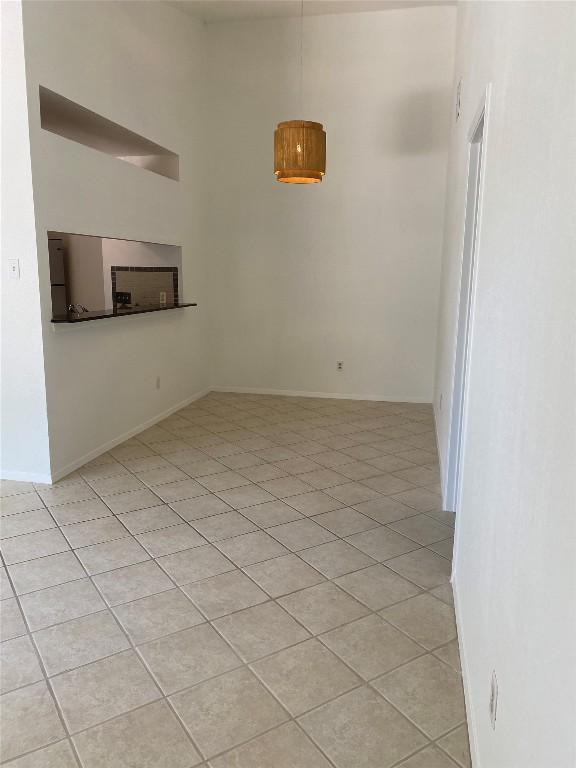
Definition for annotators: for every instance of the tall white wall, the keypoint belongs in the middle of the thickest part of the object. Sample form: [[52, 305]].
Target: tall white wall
[[142, 66], [515, 565], [25, 445], [304, 276]]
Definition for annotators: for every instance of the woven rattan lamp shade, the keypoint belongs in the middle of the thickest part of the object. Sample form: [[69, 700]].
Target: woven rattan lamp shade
[[299, 152]]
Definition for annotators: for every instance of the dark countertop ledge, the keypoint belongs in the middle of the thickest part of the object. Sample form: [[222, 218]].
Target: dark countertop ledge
[[101, 314]]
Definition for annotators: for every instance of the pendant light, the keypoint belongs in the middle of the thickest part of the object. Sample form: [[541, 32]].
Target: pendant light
[[300, 145]]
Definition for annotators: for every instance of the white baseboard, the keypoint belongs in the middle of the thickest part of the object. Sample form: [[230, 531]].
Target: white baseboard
[[59, 473], [327, 395], [465, 676], [440, 459]]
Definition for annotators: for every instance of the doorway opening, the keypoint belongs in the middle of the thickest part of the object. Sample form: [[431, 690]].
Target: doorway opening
[[465, 307]]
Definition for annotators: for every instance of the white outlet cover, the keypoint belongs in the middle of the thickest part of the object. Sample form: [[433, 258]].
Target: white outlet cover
[[493, 706]]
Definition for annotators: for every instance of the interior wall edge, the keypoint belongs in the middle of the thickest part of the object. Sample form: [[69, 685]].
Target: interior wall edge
[[466, 677], [60, 472]]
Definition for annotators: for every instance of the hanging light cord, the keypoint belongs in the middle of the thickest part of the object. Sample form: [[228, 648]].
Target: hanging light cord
[[302, 58]]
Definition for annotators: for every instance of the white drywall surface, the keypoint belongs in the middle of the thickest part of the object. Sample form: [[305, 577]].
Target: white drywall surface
[[515, 564]]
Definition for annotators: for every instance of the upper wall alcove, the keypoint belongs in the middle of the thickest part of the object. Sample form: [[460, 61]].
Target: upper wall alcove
[[66, 118]]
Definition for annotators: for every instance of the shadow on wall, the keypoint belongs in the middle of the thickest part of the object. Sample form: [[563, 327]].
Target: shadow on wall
[[419, 124]]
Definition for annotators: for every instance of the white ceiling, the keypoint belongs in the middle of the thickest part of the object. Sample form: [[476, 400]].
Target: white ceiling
[[229, 10]]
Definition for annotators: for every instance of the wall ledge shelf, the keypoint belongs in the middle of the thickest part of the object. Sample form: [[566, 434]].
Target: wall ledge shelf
[[102, 314]]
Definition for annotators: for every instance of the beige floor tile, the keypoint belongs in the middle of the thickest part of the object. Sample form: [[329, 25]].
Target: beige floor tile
[[31, 546], [444, 593], [359, 470], [431, 757], [447, 518], [331, 459], [345, 522], [245, 496], [157, 615], [161, 476], [224, 594], [29, 720], [223, 481], [313, 503], [128, 502], [228, 710], [60, 603], [304, 676], [166, 541], [18, 664], [422, 529], [389, 462], [14, 488], [382, 543], [444, 548], [271, 513], [301, 534], [297, 466], [322, 607], [276, 454], [150, 519], [284, 747], [144, 464], [262, 472], [361, 730], [223, 526], [251, 548], [150, 737], [106, 486], [99, 558], [261, 630], [94, 532], [201, 467], [387, 484], [194, 564], [428, 620], [353, 493], [456, 744], [181, 489], [423, 567], [323, 478], [23, 502], [11, 620], [5, 586], [25, 522], [283, 488], [377, 586], [132, 582], [53, 495], [371, 646], [241, 461], [202, 506], [46, 572], [58, 755], [428, 692], [80, 511], [188, 657], [101, 690], [385, 510], [282, 575], [450, 654], [79, 641], [418, 476], [335, 558], [420, 499]]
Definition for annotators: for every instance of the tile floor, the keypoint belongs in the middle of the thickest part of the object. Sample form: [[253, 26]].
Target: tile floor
[[255, 582]]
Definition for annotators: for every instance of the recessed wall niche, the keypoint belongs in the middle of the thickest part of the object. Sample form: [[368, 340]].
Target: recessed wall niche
[[103, 275], [68, 119]]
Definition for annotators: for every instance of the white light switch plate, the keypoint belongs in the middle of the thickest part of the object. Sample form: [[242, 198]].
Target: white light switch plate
[[14, 269]]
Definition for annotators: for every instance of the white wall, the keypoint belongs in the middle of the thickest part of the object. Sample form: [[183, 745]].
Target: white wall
[[515, 564], [304, 276], [25, 445], [141, 65]]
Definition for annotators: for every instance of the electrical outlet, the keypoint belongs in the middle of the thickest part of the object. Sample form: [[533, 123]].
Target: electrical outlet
[[162, 298], [14, 269], [493, 707], [339, 365], [157, 382]]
